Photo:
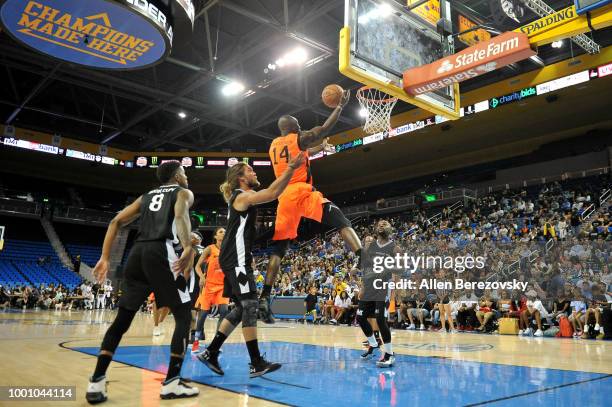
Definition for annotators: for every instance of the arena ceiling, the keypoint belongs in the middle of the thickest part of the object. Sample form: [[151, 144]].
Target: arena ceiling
[[232, 40]]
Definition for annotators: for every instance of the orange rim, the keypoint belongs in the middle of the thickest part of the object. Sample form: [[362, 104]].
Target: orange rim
[[360, 95]]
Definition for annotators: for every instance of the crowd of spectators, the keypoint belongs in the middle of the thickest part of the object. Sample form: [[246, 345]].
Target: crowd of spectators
[[87, 296], [538, 236]]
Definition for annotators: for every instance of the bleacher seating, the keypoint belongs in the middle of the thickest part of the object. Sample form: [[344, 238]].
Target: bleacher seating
[[89, 254], [20, 263]]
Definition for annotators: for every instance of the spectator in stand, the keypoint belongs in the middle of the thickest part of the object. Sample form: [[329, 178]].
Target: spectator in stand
[[341, 305], [561, 306], [422, 310], [310, 303], [595, 308], [485, 312], [578, 309], [534, 310]]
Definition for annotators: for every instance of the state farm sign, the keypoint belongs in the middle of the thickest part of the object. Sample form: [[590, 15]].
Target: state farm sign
[[505, 49]]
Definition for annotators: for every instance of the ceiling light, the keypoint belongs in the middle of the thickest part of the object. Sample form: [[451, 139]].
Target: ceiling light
[[297, 56], [182, 115], [363, 112], [385, 9], [232, 88], [557, 44]]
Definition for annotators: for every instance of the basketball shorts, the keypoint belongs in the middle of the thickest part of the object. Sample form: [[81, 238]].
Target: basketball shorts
[[210, 296], [239, 282], [149, 269], [301, 200], [371, 309]]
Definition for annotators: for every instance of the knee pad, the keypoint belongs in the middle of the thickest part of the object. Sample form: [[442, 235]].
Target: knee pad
[[280, 248], [249, 315], [234, 317], [223, 311]]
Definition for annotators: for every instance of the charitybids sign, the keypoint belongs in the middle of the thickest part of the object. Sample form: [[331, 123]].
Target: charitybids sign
[[505, 49]]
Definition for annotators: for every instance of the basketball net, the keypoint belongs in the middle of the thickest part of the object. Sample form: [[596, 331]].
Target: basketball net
[[378, 106]]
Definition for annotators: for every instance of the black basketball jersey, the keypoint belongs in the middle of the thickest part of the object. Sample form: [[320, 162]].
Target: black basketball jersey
[[374, 251], [239, 236], [157, 214]]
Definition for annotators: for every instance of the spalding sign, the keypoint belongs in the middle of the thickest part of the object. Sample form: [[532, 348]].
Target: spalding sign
[[105, 34]]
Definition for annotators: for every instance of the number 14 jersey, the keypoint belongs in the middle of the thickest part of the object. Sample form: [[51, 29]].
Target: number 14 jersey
[[284, 148]]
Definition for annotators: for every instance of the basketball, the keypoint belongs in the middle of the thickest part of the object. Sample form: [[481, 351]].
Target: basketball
[[331, 95]]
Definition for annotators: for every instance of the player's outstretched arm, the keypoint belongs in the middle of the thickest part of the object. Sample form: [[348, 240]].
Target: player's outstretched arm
[[313, 137], [184, 200], [126, 216], [247, 199]]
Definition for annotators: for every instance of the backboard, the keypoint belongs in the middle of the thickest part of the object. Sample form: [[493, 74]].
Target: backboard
[[381, 39]]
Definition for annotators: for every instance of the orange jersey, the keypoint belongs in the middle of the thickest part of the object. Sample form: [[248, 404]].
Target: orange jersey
[[284, 148], [214, 274]]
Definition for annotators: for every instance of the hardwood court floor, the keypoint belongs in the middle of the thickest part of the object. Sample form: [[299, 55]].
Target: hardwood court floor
[[321, 365]]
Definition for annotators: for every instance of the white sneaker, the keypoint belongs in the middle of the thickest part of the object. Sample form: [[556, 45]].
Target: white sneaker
[[453, 331], [386, 362], [410, 327], [156, 331], [538, 333], [333, 321], [176, 389], [521, 332], [421, 327], [96, 391], [597, 327], [528, 332]]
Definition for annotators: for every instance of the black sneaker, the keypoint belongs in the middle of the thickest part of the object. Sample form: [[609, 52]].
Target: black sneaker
[[369, 353], [211, 360], [263, 311], [262, 367]]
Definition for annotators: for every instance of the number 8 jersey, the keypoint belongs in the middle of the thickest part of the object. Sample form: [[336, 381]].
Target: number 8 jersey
[[157, 214], [284, 148]]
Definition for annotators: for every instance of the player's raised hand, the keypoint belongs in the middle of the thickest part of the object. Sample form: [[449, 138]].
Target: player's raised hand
[[297, 161], [346, 95], [100, 270], [328, 148]]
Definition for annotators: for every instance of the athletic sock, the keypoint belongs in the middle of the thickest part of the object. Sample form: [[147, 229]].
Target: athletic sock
[[377, 335], [253, 349], [101, 366], [388, 348], [265, 293], [217, 341], [372, 341], [174, 369]]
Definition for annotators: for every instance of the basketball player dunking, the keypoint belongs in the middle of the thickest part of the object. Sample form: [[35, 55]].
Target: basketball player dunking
[[373, 303], [152, 265], [212, 292], [301, 199], [236, 260]]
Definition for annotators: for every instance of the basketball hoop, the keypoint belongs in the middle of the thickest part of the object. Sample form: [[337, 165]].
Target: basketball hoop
[[378, 106]]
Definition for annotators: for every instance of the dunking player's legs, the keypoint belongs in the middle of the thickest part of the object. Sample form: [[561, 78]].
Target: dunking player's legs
[[245, 311], [332, 216]]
